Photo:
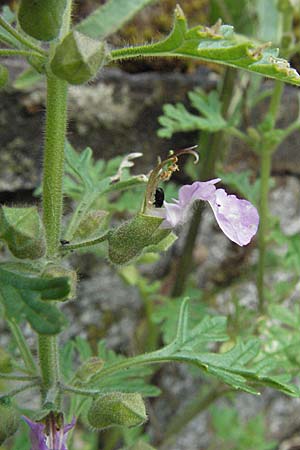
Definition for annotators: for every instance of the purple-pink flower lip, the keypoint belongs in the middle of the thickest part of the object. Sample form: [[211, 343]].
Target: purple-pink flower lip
[[55, 439], [237, 218]]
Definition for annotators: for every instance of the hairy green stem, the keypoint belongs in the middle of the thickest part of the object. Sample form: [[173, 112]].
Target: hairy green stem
[[266, 161], [48, 359], [210, 146], [17, 391], [11, 376], [23, 347], [79, 391], [83, 244], [56, 124], [54, 157], [13, 52], [22, 39], [265, 173]]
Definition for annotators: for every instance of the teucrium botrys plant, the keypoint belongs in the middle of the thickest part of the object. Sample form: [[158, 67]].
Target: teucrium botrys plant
[[36, 280]]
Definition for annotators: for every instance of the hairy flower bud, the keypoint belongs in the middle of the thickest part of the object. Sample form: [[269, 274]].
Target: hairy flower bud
[[128, 241], [78, 58], [9, 419], [23, 232], [41, 19], [117, 408]]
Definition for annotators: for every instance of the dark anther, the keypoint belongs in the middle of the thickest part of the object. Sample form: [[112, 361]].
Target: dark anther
[[64, 242], [159, 198]]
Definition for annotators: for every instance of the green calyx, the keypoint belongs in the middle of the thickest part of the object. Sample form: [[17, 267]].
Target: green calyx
[[130, 239], [78, 58], [41, 19], [10, 419], [23, 232], [117, 409]]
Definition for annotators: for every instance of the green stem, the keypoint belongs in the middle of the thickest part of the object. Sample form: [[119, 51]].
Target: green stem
[[56, 124], [265, 173], [23, 347], [22, 39], [83, 244], [16, 391], [13, 52], [48, 359], [266, 160], [11, 376], [79, 391], [210, 146]]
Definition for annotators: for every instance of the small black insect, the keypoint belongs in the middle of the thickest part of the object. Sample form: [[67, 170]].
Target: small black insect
[[159, 197], [64, 242]]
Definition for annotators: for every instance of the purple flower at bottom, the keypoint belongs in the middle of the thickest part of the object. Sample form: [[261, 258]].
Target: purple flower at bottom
[[238, 219], [54, 440]]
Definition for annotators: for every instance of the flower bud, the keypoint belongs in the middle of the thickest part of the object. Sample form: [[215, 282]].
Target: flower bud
[[117, 408], [6, 365], [88, 369], [55, 271], [41, 19], [90, 224], [78, 58], [23, 232], [127, 242], [9, 419], [4, 75]]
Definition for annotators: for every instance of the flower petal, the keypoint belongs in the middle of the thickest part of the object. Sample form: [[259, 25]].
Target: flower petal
[[238, 219], [37, 436], [199, 190]]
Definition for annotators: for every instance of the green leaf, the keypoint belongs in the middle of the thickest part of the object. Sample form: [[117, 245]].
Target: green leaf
[[24, 296], [218, 44], [23, 232], [110, 17], [231, 367], [27, 79], [177, 118], [84, 175]]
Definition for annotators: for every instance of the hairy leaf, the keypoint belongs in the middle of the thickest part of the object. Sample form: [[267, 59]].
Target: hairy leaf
[[232, 367], [24, 296], [218, 44]]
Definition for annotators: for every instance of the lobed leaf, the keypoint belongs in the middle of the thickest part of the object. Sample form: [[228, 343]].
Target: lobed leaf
[[217, 44], [24, 296], [177, 118]]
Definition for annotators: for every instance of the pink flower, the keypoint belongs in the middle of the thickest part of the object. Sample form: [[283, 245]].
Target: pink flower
[[238, 219], [54, 440]]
